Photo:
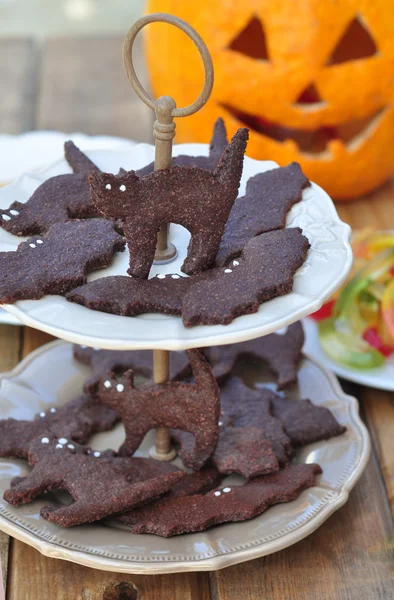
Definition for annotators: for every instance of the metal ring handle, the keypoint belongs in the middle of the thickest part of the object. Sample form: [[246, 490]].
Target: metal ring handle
[[199, 42]]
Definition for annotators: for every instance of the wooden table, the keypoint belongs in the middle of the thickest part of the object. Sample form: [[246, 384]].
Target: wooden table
[[79, 85]]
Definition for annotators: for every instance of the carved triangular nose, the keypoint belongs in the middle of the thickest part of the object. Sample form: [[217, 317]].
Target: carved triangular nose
[[309, 95]]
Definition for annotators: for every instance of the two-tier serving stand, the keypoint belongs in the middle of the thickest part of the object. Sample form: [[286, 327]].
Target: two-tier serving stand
[[327, 265]]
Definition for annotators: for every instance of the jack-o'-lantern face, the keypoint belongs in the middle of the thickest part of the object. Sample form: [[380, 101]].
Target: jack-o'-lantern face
[[313, 80]]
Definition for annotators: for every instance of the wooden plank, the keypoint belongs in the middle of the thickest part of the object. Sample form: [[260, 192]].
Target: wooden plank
[[18, 90], [349, 557], [32, 339], [374, 210], [84, 88], [9, 356], [68, 581], [379, 411]]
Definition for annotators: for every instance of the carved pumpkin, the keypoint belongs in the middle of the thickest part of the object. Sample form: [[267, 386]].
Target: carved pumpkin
[[313, 80]]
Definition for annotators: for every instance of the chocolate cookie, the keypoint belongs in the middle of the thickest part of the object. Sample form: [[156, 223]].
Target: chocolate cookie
[[281, 353], [244, 450], [56, 200], [57, 261], [228, 504], [215, 297], [217, 146], [305, 422], [130, 297], [192, 407], [77, 420], [198, 482], [269, 197], [100, 483], [118, 361], [198, 199], [264, 270], [252, 408]]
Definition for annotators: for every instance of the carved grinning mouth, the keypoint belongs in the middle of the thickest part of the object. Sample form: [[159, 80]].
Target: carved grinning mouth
[[316, 141]]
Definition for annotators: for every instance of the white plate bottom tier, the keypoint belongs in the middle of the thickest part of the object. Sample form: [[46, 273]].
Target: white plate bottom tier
[[326, 267], [49, 376]]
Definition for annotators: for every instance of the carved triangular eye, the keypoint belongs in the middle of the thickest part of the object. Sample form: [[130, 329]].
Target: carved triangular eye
[[355, 43], [251, 40]]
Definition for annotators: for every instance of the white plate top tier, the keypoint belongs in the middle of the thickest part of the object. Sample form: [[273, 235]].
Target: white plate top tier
[[326, 267]]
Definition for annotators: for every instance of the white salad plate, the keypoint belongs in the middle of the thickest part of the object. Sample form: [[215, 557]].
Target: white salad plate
[[50, 377], [326, 267], [381, 378]]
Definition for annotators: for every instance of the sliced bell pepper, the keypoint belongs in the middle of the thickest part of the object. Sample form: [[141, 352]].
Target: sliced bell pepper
[[372, 337], [388, 307], [373, 270], [347, 348], [324, 312]]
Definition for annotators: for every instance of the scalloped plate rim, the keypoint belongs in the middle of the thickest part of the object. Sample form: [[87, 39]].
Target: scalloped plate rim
[[217, 561], [182, 338]]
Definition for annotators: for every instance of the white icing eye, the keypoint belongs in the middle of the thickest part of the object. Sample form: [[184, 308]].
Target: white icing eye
[[122, 188], [235, 263], [228, 270], [52, 410], [42, 414], [6, 217], [108, 186], [226, 490], [71, 446], [14, 212], [161, 276], [217, 493], [45, 440], [59, 446], [120, 387], [220, 423], [96, 454], [32, 245], [107, 384], [39, 242], [175, 276], [62, 441]]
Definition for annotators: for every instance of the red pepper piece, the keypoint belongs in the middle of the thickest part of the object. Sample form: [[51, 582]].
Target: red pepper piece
[[372, 337], [325, 312]]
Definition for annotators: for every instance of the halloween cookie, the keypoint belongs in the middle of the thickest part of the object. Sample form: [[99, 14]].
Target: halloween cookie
[[100, 483], [130, 297], [305, 422], [77, 420], [192, 407], [280, 352], [217, 146], [269, 197], [198, 482], [198, 199], [264, 270], [57, 261], [214, 297], [248, 407], [228, 504], [244, 450], [56, 200], [117, 361]]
